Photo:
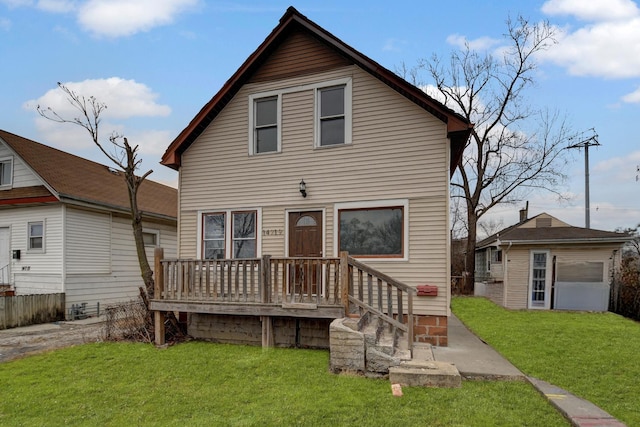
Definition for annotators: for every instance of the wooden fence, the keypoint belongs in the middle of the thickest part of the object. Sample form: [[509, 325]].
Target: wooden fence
[[23, 310]]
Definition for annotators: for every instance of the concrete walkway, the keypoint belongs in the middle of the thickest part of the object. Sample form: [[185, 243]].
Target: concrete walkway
[[476, 360]]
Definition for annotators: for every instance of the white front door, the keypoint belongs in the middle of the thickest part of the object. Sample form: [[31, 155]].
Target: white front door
[[540, 279], [5, 255]]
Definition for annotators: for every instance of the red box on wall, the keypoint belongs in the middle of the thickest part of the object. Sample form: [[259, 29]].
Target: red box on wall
[[427, 291]]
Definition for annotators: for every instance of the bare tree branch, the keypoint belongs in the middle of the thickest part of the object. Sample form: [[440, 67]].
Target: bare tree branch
[[513, 147], [124, 156]]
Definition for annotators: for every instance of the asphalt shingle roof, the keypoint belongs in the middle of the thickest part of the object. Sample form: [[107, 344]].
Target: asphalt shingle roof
[[72, 177]]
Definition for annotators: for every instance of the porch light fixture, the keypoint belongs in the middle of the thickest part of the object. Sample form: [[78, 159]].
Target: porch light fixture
[[303, 188]]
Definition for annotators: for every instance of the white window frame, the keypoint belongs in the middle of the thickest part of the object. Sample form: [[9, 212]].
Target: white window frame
[[404, 203], [8, 160], [346, 82], [228, 230], [252, 111], [29, 236], [546, 305], [153, 232]]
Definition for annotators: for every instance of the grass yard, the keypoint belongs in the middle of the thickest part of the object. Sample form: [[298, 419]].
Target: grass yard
[[593, 355], [212, 384]]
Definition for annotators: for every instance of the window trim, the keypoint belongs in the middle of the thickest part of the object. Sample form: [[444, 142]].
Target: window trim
[[346, 82], [252, 129], [228, 231], [8, 159], [154, 232], [29, 236], [376, 204]]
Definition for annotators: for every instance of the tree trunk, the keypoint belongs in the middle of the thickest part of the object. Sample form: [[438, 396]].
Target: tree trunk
[[470, 255]]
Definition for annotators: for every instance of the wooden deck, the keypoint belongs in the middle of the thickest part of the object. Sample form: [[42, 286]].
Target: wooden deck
[[326, 288]]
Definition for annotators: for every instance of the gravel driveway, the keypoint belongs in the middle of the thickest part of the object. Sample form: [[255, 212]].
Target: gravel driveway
[[27, 340]]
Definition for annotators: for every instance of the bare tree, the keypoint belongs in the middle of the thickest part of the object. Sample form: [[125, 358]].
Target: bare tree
[[513, 147], [123, 155]]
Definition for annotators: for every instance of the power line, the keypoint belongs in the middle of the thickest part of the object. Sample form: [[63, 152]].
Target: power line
[[585, 139]]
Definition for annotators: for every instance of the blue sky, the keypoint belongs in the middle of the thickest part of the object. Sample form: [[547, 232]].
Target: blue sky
[[155, 63]]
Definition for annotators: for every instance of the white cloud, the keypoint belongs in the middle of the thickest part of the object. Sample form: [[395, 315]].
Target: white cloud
[[17, 3], [633, 97], [5, 24], [592, 10], [118, 18], [153, 142], [608, 47], [479, 44], [57, 6], [124, 98], [393, 45]]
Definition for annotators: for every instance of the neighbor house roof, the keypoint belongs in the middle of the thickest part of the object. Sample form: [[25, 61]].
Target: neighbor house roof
[[518, 235], [458, 127], [72, 179]]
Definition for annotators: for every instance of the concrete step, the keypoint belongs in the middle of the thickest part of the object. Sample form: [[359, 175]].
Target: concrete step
[[418, 373]]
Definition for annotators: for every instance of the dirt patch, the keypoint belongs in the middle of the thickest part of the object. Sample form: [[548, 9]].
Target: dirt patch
[[19, 342]]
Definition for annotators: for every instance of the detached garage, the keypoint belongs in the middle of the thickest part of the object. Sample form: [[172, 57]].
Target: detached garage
[[544, 263]]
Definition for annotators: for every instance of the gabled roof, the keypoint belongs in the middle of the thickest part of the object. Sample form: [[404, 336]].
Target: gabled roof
[[72, 179], [519, 235], [458, 127]]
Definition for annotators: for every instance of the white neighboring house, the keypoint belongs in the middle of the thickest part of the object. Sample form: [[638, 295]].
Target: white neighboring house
[[65, 225]]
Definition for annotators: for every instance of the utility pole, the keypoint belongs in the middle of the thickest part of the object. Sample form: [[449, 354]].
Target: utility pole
[[586, 141]]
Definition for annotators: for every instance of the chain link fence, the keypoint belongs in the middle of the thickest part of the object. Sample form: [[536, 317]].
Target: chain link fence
[[128, 322]]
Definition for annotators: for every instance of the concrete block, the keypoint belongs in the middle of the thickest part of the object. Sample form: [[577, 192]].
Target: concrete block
[[425, 374]]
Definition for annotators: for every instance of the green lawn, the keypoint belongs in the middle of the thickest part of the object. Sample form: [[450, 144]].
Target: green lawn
[[211, 384], [593, 355]]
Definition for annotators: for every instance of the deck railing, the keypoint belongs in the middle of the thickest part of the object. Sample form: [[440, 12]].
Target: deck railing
[[308, 281], [376, 294]]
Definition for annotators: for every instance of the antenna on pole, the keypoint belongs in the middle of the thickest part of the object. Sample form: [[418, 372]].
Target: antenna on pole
[[586, 139]]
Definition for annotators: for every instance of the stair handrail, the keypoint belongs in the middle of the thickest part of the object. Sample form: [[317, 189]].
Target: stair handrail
[[347, 277], [5, 271]]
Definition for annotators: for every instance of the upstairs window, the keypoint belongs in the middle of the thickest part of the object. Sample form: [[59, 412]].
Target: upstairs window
[[6, 172], [265, 124], [333, 114]]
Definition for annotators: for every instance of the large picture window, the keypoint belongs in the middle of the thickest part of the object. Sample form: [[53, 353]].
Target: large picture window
[[372, 232], [218, 243]]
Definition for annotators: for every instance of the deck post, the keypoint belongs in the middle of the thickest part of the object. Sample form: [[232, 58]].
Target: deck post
[[265, 279], [158, 285], [267, 331], [344, 280]]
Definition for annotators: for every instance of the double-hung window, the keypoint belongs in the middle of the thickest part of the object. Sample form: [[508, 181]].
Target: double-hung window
[[36, 235], [265, 124], [333, 114], [6, 171], [240, 242]]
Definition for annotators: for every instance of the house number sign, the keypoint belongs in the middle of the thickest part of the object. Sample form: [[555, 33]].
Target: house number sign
[[273, 232]]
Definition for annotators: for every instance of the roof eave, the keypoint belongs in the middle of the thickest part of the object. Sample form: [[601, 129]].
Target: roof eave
[[458, 128]]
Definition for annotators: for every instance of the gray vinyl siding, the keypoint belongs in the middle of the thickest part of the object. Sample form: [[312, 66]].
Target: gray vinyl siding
[[398, 151], [122, 282], [88, 242], [37, 271]]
